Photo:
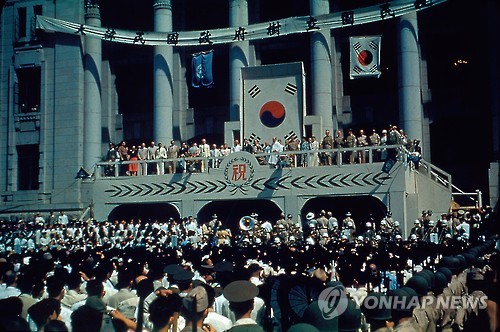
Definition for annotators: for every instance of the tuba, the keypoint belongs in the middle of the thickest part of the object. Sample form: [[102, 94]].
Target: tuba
[[247, 223]]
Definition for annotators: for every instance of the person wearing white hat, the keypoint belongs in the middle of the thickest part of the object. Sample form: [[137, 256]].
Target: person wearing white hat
[[311, 222], [417, 229]]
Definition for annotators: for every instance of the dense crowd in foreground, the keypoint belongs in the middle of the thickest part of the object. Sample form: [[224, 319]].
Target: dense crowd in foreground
[[60, 275]]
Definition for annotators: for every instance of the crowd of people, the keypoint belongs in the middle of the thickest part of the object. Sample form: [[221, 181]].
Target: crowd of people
[[273, 275], [306, 152]]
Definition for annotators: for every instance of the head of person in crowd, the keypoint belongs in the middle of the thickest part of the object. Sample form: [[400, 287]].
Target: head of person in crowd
[[94, 288], [162, 311], [184, 279], [55, 287], [350, 319], [55, 325], [377, 311], [241, 294], [403, 302], [45, 310], [313, 315], [85, 319], [194, 307], [11, 307]]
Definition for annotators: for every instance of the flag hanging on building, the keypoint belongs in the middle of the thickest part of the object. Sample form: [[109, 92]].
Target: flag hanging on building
[[365, 56], [273, 101], [201, 67]]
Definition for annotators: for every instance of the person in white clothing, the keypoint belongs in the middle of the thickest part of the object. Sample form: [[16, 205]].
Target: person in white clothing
[[204, 153]]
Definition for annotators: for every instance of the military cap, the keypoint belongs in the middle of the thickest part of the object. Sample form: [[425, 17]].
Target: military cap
[[224, 266], [302, 327], [314, 315], [376, 306], [462, 262], [440, 280], [289, 216], [428, 275], [172, 269], [183, 276], [470, 259], [450, 263], [310, 216], [196, 300], [447, 272], [418, 284], [350, 319], [240, 291], [401, 299]]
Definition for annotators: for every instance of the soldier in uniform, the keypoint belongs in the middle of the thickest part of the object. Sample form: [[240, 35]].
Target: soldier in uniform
[[350, 142], [377, 316], [322, 220], [241, 295], [172, 152], [402, 310], [362, 141], [374, 140], [327, 143], [338, 144], [393, 139], [417, 230], [303, 157]]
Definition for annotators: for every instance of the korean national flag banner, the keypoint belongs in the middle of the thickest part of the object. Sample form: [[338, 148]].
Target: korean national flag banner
[[201, 67], [365, 56], [273, 101]]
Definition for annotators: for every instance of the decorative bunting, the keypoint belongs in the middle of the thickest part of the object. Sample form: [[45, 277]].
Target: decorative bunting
[[283, 27]]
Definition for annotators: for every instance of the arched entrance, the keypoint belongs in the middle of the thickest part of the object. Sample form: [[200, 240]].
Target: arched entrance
[[144, 211], [362, 208], [231, 211]]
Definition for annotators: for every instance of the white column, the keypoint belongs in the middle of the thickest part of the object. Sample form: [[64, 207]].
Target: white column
[[238, 55], [92, 131], [321, 69], [409, 83], [162, 76]]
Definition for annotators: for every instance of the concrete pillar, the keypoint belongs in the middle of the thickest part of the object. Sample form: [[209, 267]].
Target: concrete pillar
[[321, 70], [92, 132], [238, 55], [162, 76], [409, 82]]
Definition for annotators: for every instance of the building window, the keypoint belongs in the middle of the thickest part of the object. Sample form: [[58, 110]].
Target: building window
[[28, 158], [29, 82], [21, 22], [37, 10]]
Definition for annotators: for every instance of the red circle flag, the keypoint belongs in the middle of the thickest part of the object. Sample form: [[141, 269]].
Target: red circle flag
[[365, 57]]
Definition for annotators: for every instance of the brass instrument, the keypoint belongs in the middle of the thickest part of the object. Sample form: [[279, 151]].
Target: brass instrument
[[247, 223]]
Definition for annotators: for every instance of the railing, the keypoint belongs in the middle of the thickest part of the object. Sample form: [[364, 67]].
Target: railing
[[432, 172], [301, 158]]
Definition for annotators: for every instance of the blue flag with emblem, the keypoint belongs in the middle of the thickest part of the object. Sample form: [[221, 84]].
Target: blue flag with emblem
[[201, 67]]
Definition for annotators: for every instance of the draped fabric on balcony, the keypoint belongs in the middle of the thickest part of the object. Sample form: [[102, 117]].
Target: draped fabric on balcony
[[282, 27]]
